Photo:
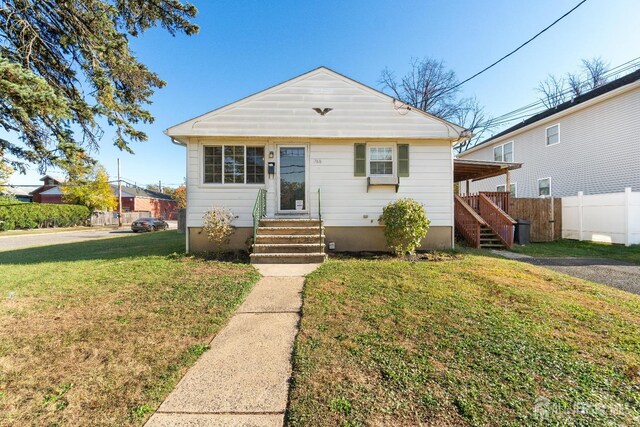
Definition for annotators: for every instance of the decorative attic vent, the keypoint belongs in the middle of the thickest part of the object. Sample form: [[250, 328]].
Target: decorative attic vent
[[322, 111]]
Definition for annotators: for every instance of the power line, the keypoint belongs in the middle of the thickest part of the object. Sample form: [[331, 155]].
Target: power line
[[519, 47], [538, 106]]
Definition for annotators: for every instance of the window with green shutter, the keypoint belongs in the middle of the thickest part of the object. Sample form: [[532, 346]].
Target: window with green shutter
[[360, 160], [403, 160]]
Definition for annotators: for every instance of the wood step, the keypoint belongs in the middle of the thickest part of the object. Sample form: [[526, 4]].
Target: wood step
[[289, 248], [307, 231], [285, 258]]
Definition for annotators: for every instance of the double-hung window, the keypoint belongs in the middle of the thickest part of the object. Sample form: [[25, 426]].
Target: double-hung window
[[503, 153], [381, 161], [553, 134], [233, 164], [512, 188], [544, 187]]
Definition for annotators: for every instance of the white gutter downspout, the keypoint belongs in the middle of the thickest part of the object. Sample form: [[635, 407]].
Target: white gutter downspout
[[186, 209]]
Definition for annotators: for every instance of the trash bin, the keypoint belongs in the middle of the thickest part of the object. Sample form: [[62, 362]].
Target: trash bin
[[522, 231]]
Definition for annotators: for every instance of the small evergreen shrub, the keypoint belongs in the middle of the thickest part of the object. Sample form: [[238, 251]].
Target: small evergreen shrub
[[41, 215], [405, 225]]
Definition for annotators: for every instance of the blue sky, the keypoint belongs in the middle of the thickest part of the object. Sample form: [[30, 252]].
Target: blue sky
[[246, 46]]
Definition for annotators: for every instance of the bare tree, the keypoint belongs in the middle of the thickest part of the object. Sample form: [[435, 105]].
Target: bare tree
[[431, 87], [595, 70], [552, 90], [473, 117], [555, 91], [576, 84]]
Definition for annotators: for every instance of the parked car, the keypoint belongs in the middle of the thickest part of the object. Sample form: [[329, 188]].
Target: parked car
[[148, 224]]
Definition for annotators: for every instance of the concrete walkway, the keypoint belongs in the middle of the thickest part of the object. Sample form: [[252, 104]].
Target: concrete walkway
[[243, 380]]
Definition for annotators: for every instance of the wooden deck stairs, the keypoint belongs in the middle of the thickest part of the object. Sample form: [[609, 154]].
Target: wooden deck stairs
[[289, 241], [482, 222]]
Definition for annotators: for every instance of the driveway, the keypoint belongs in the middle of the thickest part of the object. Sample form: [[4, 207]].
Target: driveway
[[619, 274], [27, 240]]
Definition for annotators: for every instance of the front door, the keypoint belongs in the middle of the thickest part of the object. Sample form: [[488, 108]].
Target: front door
[[292, 175]]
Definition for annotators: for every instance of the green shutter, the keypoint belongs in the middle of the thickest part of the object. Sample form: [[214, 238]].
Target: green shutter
[[403, 160], [360, 160]]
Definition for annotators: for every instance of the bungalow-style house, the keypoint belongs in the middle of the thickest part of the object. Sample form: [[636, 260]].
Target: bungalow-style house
[[314, 160], [588, 144]]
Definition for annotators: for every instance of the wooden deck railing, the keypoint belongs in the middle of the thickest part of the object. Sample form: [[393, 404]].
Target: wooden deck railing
[[499, 198], [497, 219], [467, 221]]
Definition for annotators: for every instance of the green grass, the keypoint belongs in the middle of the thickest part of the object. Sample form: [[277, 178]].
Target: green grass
[[574, 248], [472, 341], [99, 332]]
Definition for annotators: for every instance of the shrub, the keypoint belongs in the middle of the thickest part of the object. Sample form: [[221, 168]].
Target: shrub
[[405, 225], [41, 215], [217, 226]]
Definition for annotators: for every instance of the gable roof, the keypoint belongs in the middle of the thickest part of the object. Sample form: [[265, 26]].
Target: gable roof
[[289, 110], [54, 178], [599, 91], [141, 192]]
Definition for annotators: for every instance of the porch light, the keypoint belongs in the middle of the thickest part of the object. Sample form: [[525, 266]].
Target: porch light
[[271, 154]]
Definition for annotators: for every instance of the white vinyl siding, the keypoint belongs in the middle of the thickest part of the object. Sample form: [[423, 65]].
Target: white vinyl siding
[[345, 200], [287, 110], [583, 159]]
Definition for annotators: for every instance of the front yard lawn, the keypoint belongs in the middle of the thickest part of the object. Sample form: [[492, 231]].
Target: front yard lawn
[[97, 333], [472, 341], [574, 248]]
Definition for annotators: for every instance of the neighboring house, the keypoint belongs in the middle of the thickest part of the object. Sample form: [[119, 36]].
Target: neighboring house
[[139, 199], [588, 144], [49, 191], [320, 144], [134, 199], [20, 192]]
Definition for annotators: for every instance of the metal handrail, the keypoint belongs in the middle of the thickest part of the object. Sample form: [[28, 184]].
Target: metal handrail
[[320, 217], [259, 211]]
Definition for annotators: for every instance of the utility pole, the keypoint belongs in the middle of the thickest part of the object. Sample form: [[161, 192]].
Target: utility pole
[[119, 196], [160, 186]]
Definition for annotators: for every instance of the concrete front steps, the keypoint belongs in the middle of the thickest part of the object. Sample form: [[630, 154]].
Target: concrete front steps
[[289, 241]]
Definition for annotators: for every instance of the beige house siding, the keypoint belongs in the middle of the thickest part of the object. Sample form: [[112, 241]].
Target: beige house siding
[[598, 152]]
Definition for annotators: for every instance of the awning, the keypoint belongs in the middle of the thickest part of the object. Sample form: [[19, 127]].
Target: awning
[[474, 170]]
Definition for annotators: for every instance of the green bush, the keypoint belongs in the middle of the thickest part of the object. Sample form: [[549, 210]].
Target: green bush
[[41, 215], [405, 225]]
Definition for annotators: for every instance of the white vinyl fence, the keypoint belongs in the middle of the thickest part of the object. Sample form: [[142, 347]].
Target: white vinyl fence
[[610, 218]]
